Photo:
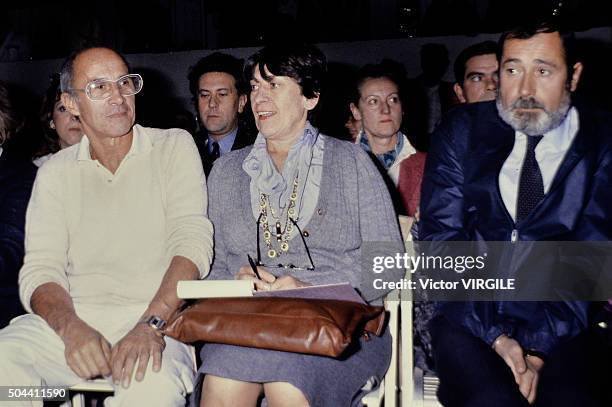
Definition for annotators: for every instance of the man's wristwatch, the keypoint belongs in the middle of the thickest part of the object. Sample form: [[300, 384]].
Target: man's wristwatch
[[155, 322]]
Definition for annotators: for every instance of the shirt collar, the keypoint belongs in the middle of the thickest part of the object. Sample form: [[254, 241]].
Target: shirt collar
[[141, 143], [259, 166], [388, 158], [560, 138], [226, 143]]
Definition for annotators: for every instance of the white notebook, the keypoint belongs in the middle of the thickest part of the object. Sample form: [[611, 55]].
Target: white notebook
[[245, 288], [190, 289]]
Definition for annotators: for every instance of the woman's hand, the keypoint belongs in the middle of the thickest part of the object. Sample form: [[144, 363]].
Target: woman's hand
[[285, 282], [267, 278]]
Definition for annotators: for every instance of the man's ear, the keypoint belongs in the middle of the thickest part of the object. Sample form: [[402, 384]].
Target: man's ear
[[459, 92], [355, 111], [69, 102], [242, 99], [310, 103], [576, 76]]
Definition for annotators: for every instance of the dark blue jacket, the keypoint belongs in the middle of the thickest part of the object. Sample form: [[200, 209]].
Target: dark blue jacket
[[16, 180], [461, 201]]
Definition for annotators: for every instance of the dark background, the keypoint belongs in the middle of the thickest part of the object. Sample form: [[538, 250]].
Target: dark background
[[163, 38], [37, 29]]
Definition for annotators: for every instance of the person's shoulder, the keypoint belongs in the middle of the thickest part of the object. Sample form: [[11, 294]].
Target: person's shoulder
[[234, 157], [346, 156], [62, 159], [471, 111], [15, 167], [170, 144], [595, 128], [341, 148], [158, 136], [593, 117], [230, 163], [470, 123], [415, 160]]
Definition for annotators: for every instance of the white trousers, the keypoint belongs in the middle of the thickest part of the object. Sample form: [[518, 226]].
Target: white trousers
[[32, 354]]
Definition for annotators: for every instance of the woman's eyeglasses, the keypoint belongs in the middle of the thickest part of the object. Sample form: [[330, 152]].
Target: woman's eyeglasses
[[289, 266]]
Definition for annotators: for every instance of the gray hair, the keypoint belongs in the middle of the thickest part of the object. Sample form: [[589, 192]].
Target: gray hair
[[67, 70]]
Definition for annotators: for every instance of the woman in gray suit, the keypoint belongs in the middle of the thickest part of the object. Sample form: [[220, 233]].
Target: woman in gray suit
[[303, 204]]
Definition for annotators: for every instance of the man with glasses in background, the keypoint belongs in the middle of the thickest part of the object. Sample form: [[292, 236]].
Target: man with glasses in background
[[114, 222]]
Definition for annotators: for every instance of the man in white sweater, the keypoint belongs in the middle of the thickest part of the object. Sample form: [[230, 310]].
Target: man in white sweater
[[113, 223]]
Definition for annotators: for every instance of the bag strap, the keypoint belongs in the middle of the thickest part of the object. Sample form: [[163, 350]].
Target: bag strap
[[377, 324]]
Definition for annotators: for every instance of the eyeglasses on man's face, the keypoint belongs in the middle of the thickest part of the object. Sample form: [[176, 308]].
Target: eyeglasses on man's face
[[289, 266], [101, 89]]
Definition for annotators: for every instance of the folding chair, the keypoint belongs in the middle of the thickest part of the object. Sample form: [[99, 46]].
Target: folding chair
[[78, 391], [388, 390], [416, 389]]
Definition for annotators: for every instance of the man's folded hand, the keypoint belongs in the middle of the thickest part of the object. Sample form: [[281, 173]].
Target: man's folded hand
[[87, 352]]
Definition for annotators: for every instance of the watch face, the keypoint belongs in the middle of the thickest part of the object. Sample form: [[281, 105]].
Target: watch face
[[156, 322]]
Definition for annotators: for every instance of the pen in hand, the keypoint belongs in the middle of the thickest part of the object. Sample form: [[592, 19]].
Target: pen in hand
[[253, 266]]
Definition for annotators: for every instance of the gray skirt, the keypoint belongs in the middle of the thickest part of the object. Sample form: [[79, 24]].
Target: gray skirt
[[324, 381]]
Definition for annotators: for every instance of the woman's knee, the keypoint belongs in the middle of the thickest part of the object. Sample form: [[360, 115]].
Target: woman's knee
[[282, 394], [220, 392]]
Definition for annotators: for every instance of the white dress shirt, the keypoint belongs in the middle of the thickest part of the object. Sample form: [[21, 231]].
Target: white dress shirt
[[549, 153]]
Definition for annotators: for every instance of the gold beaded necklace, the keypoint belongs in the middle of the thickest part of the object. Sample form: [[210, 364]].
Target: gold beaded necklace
[[281, 234]]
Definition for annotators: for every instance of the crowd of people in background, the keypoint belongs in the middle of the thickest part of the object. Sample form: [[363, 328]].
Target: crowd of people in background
[[261, 145]]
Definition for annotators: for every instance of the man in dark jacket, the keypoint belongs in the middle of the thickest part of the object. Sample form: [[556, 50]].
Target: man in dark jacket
[[220, 98], [486, 180]]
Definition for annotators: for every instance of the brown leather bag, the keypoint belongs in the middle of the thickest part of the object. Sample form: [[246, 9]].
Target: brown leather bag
[[318, 327]]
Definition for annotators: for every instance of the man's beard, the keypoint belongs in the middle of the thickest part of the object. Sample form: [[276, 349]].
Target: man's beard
[[533, 123]]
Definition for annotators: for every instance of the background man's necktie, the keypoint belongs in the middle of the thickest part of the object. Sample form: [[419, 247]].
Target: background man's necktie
[[531, 185], [215, 153]]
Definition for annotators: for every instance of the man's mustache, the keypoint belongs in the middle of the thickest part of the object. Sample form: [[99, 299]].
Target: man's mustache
[[527, 103]]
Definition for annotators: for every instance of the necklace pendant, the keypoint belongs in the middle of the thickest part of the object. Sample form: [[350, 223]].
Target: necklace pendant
[[271, 253], [279, 232]]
